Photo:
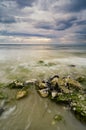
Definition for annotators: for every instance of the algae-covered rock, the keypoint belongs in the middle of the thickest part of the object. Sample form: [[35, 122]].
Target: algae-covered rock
[[72, 84], [78, 106], [21, 94], [57, 118], [16, 84], [59, 84], [43, 92], [63, 98]]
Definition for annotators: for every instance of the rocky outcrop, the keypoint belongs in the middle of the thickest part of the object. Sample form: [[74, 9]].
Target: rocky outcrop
[[65, 90]]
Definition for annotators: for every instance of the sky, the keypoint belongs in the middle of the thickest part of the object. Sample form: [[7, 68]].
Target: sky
[[43, 21]]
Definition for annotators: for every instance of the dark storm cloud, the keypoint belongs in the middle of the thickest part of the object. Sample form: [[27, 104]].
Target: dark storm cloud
[[59, 25], [54, 19], [44, 25], [70, 6], [81, 22], [23, 3], [7, 19], [76, 5], [65, 23], [21, 34], [5, 15]]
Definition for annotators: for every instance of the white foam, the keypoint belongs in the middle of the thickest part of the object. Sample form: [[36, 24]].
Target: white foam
[[8, 112]]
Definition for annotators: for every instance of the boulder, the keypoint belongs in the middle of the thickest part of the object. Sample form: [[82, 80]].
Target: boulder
[[43, 92], [21, 94], [72, 84], [30, 82], [16, 84], [1, 110], [41, 84], [59, 85]]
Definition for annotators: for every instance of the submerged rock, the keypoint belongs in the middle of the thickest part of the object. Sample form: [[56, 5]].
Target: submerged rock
[[21, 94], [72, 65], [58, 117]]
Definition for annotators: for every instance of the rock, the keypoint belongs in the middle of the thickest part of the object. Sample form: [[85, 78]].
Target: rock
[[16, 84], [21, 94], [79, 109], [59, 85], [1, 110], [54, 94], [30, 82], [41, 84], [55, 76], [63, 98], [71, 83], [54, 81], [43, 92]]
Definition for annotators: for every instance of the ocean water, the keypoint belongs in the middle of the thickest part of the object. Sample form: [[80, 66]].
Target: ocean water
[[23, 62]]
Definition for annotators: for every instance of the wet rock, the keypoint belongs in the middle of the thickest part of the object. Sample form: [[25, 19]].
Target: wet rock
[[79, 109], [43, 92], [72, 84], [30, 82], [21, 94], [63, 98], [59, 85], [54, 94], [41, 84], [16, 84], [55, 76], [1, 110]]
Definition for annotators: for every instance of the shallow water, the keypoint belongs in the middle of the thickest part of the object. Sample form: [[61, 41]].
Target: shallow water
[[23, 62]]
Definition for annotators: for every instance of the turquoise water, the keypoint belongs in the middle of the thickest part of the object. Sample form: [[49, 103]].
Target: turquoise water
[[23, 62]]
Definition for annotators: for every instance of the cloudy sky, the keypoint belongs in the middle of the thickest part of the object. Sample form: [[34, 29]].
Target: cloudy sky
[[43, 21]]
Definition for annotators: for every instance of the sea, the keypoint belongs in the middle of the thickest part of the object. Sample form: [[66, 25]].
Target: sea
[[39, 61]]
